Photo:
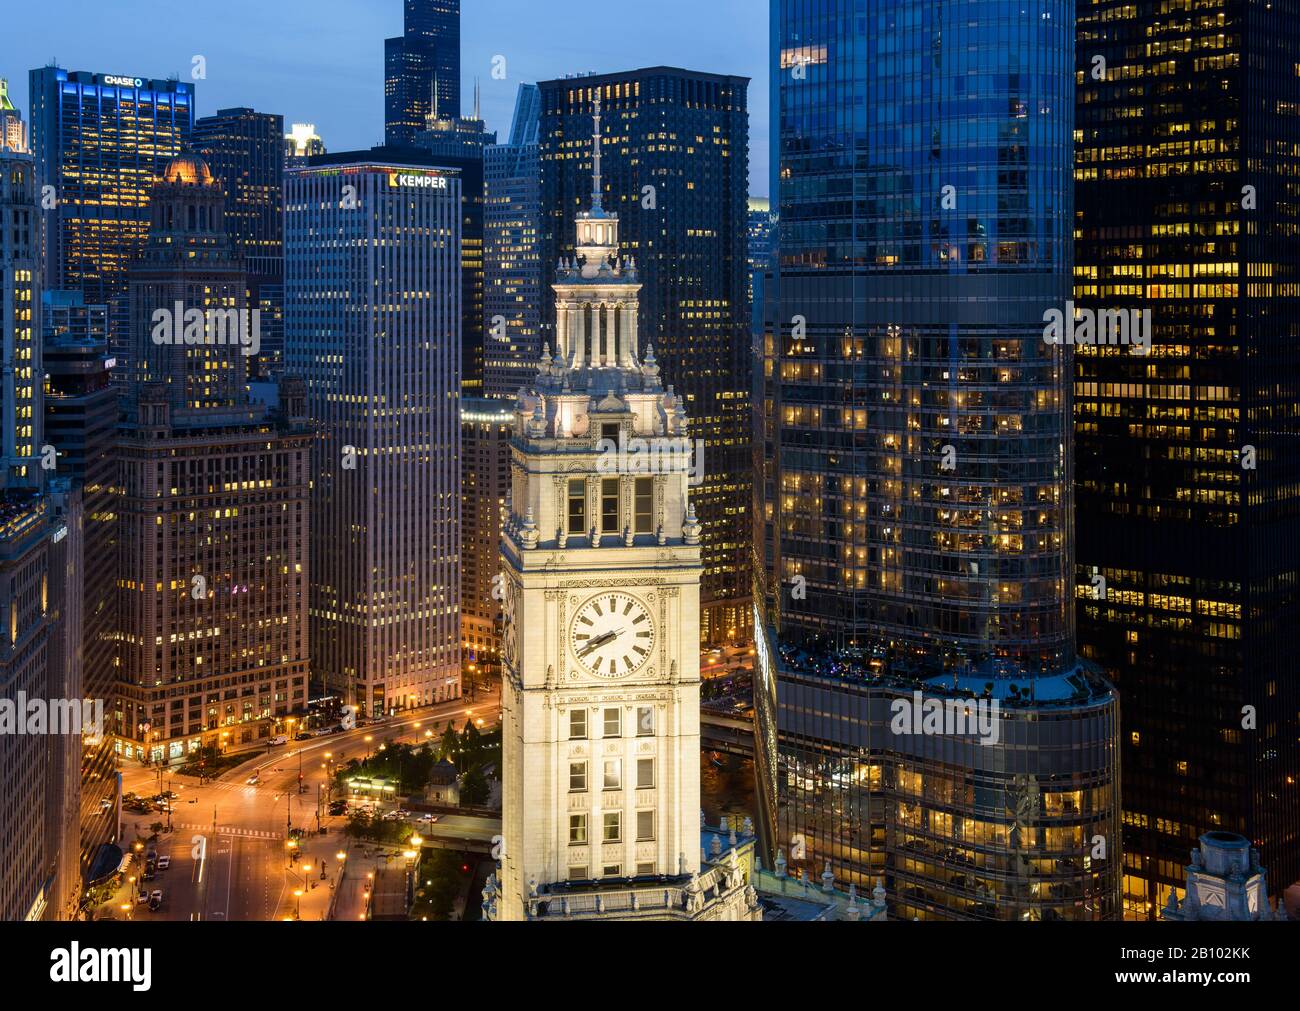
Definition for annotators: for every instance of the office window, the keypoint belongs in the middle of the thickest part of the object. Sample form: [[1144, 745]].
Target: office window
[[645, 773], [578, 873], [577, 829], [613, 774], [577, 777], [577, 724], [645, 505], [642, 870], [612, 870], [645, 826], [578, 507], [645, 721], [613, 723], [613, 826], [609, 505]]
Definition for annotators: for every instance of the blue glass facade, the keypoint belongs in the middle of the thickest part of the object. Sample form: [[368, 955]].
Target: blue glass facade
[[914, 421]]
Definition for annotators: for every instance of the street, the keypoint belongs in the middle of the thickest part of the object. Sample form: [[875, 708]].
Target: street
[[228, 844]]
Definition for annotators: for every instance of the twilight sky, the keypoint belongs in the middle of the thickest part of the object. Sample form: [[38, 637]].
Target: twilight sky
[[321, 61]]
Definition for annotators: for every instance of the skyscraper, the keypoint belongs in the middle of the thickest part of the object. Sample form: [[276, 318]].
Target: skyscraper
[[760, 254], [81, 426], [601, 560], [212, 572], [39, 777], [458, 143], [301, 144], [675, 170], [512, 269], [914, 506], [13, 132], [1188, 480], [101, 140], [245, 151], [486, 427], [372, 310], [422, 69]]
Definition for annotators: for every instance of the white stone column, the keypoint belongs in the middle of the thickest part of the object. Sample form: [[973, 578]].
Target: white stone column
[[625, 349], [596, 348], [577, 336]]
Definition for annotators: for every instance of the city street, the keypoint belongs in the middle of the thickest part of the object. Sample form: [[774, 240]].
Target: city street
[[229, 858]]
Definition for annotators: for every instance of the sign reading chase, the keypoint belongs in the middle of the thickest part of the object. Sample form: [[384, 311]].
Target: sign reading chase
[[123, 82], [408, 179]]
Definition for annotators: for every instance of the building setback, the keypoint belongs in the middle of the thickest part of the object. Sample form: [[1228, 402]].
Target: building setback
[[914, 506], [1187, 475], [213, 571], [422, 68], [675, 170], [372, 309]]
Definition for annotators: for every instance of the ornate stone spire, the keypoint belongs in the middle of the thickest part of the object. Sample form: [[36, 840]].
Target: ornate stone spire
[[595, 159]]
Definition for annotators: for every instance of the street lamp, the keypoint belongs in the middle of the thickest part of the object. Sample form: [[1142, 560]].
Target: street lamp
[[297, 904]]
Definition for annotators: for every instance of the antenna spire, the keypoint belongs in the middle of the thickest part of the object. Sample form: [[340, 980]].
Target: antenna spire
[[595, 141]]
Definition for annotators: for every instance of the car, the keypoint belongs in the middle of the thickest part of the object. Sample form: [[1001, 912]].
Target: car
[[253, 780], [151, 856], [154, 904], [142, 897], [148, 874], [304, 736], [164, 862], [428, 819], [276, 741], [390, 816]]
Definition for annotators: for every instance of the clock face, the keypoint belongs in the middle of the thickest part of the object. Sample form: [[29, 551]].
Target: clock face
[[612, 634]]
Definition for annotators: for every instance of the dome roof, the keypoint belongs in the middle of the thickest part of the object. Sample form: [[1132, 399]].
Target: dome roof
[[188, 169]]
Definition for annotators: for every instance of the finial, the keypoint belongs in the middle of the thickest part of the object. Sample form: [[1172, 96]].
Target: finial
[[595, 155]]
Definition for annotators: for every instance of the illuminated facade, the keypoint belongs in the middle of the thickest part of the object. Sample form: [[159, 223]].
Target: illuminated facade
[[39, 559], [301, 144], [486, 426], [422, 69], [372, 313], [914, 511], [101, 140], [1187, 149], [81, 423], [600, 694], [13, 132], [676, 172], [212, 532], [512, 268], [245, 151]]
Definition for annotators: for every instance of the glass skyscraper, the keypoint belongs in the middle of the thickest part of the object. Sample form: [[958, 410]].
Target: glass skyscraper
[[422, 68], [512, 268], [1188, 479], [101, 140], [914, 509], [675, 170]]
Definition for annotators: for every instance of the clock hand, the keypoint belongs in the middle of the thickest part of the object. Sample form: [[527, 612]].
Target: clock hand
[[598, 642]]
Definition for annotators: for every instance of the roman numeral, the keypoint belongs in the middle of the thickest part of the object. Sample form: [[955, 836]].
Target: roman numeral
[[643, 635]]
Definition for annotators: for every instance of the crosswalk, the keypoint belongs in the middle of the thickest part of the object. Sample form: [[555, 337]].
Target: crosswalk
[[243, 833]]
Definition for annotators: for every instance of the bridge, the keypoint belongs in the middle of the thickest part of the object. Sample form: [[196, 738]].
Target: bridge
[[731, 734]]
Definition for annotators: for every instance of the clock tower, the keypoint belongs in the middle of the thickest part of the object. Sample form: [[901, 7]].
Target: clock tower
[[601, 568]]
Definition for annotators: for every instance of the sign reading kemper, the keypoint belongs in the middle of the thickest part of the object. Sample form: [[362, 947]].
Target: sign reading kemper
[[413, 180]]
